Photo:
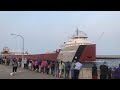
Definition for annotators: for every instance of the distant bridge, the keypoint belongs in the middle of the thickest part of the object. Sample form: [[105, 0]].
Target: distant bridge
[[107, 57]]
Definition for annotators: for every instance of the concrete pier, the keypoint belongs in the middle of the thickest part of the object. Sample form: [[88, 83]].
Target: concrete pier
[[22, 74], [85, 73]]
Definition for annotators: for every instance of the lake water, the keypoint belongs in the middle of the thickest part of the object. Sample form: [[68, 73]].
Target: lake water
[[110, 62]]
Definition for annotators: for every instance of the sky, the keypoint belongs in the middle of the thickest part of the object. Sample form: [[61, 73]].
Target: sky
[[46, 31]]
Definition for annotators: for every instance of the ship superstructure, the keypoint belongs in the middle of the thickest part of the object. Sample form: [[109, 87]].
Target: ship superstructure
[[78, 47]]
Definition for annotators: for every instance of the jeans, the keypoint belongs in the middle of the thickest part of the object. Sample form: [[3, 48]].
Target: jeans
[[72, 73], [56, 72], [76, 74], [67, 73]]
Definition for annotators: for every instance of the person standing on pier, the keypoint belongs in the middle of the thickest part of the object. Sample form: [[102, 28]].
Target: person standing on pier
[[103, 71], [39, 64], [15, 65], [57, 69], [110, 73], [30, 65], [42, 66], [67, 69], [53, 68], [117, 73], [48, 67], [94, 72], [61, 69], [78, 66], [5, 60], [72, 69]]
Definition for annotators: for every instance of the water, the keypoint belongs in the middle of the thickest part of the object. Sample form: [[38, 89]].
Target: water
[[110, 62]]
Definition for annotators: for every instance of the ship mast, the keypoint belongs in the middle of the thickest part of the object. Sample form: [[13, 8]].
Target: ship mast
[[77, 31]]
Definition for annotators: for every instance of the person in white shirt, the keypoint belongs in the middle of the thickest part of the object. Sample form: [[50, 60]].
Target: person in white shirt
[[78, 66], [61, 69], [30, 65]]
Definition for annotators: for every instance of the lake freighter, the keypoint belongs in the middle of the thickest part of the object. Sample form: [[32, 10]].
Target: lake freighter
[[77, 47]]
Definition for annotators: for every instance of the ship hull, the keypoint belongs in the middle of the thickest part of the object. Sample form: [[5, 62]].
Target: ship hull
[[84, 53], [49, 56]]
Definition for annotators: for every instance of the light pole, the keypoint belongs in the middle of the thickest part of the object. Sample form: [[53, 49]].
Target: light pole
[[22, 48]]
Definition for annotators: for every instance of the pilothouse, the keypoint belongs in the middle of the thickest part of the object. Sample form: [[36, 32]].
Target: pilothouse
[[80, 38]]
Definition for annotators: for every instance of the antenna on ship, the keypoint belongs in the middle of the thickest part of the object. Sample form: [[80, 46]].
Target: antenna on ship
[[77, 31], [101, 36]]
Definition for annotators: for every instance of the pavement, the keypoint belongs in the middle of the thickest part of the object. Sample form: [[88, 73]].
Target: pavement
[[23, 74]]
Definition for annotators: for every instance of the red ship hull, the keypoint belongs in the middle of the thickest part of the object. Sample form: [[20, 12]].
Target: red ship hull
[[85, 53], [50, 56], [89, 53]]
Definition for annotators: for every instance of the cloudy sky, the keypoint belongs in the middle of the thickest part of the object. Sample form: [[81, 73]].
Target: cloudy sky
[[45, 31]]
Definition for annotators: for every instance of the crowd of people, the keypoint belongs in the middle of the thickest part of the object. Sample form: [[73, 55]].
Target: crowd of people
[[67, 70], [59, 69], [106, 72]]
